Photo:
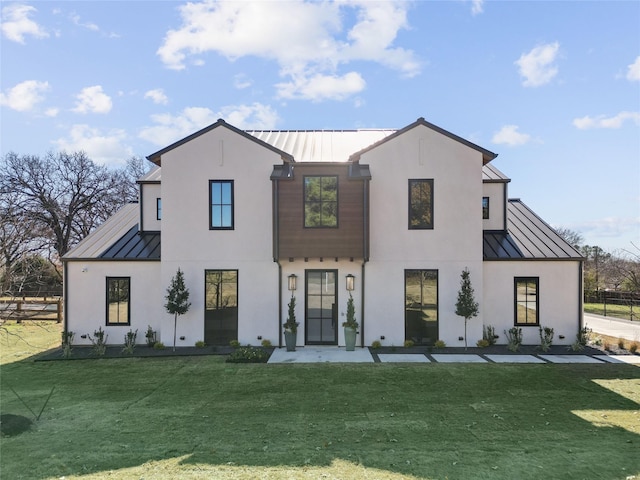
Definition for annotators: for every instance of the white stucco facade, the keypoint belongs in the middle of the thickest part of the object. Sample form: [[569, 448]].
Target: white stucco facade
[[494, 250]]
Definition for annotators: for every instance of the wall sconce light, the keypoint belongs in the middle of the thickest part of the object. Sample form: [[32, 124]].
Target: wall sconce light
[[351, 282], [292, 282], [85, 269]]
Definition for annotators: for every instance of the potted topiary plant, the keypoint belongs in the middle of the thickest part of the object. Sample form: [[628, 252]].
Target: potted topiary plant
[[350, 326], [291, 326]]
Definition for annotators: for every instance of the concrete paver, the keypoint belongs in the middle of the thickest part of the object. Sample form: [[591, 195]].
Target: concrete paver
[[570, 359], [321, 355], [403, 357], [457, 358], [514, 359], [630, 359]]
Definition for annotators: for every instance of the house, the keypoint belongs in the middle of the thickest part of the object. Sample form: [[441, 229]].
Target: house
[[390, 217]]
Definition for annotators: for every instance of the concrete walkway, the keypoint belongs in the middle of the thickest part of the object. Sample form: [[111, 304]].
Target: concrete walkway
[[362, 355], [614, 327]]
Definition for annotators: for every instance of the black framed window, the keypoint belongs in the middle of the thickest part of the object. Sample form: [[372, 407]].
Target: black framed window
[[485, 208], [527, 301], [158, 209], [321, 202], [221, 205], [421, 204], [421, 306], [221, 306], [118, 300]]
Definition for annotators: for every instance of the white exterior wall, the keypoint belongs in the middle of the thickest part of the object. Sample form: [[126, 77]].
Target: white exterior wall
[[497, 205], [559, 298], [150, 192], [86, 300], [454, 243], [188, 244]]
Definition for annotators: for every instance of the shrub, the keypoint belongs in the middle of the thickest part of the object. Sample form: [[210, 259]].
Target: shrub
[[606, 345], [151, 337], [546, 338], [409, 343], [514, 338], [489, 334], [234, 343], [67, 340], [582, 336], [376, 344], [621, 343], [99, 342], [129, 342], [633, 347], [483, 343], [266, 343], [158, 346], [576, 346], [200, 344], [440, 344], [248, 355]]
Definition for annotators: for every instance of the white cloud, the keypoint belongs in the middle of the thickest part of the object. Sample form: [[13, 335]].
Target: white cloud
[[608, 227], [170, 128], [52, 112], [319, 87], [104, 148], [602, 121], [312, 47], [157, 96], [75, 18], [93, 100], [509, 135], [477, 7], [25, 95], [537, 67], [241, 81], [633, 71], [16, 23]]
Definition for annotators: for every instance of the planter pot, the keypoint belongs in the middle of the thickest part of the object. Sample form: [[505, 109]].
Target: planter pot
[[350, 338], [290, 340]]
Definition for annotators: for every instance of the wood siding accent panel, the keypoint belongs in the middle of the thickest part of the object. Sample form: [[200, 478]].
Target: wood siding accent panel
[[296, 241]]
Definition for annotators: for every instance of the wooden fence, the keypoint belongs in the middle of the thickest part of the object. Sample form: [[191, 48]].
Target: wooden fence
[[26, 308]]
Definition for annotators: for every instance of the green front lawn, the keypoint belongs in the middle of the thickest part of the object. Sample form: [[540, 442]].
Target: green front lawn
[[198, 417]]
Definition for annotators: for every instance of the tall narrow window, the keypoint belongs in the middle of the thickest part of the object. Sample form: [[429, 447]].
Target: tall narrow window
[[158, 209], [526, 301], [118, 300], [221, 306], [321, 202], [485, 208], [221, 204], [421, 204], [421, 306]]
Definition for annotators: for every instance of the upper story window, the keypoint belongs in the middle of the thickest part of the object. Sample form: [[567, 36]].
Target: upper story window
[[118, 300], [421, 204], [485, 208], [221, 205], [158, 209], [526, 301], [321, 202]]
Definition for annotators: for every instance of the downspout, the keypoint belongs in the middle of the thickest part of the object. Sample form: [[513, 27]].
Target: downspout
[[362, 308], [279, 304], [276, 253], [65, 283], [581, 296], [365, 253]]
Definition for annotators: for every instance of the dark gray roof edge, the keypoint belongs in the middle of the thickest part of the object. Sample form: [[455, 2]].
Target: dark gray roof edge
[[534, 259], [108, 260], [496, 180], [155, 157], [487, 155], [148, 182]]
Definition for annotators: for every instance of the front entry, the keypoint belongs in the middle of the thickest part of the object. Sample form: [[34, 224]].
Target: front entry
[[321, 311]]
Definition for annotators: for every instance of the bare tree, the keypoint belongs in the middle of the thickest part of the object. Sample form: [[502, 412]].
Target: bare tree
[[64, 195], [573, 238]]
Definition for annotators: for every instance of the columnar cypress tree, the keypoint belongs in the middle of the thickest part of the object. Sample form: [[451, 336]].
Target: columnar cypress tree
[[466, 306], [177, 300]]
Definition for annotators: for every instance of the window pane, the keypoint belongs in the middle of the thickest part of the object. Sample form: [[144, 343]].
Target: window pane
[[118, 301], [421, 306], [226, 193], [312, 189], [216, 216], [526, 301], [216, 195], [420, 204], [312, 215], [226, 216], [329, 215], [321, 202], [485, 207], [329, 189]]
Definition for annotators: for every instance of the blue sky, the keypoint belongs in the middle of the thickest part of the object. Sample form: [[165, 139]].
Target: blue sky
[[552, 87]]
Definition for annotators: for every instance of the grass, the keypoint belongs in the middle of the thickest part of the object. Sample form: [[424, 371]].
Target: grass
[[198, 417], [618, 311]]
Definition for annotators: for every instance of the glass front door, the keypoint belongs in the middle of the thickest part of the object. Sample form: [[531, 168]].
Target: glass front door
[[321, 307]]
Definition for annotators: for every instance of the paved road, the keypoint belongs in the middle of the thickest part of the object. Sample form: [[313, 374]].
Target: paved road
[[614, 327]]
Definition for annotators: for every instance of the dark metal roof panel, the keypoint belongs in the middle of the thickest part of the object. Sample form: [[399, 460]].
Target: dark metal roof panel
[[134, 245], [527, 237], [491, 174]]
